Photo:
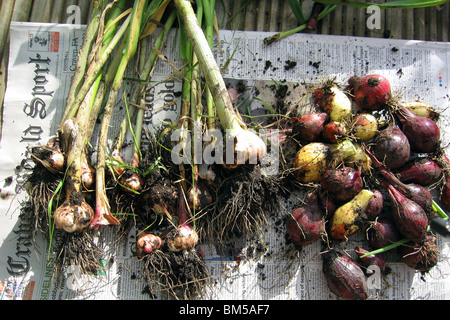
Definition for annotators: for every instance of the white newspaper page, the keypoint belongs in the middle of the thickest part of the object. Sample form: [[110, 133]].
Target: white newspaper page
[[42, 60]]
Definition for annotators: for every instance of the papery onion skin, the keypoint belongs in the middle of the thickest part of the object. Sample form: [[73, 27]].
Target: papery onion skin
[[348, 218], [418, 193], [50, 157], [334, 101], [422, 109], [184, 238], [423, 133], [309, 126], [375, 206], [199, 197], [409, 218], [311, 162], [344, 276], [306, 223], [371, 92], [364, 126], [147, 243], [73, 216], [382, 233], [334, 132], [422, 171], [342, 183], [392, 147], [420, 256]]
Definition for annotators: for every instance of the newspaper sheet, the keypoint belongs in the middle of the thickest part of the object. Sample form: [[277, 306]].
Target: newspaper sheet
[[41, 64]]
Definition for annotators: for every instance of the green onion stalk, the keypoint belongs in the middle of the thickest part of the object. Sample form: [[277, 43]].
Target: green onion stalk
[[401, 4], [75, 131], [248, 146], [143, 17], [305, 22], [102, 208], [131, 177]]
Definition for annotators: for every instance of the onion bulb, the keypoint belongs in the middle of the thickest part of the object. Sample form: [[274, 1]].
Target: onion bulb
[[347, 219], [311, 162], [334, 132], [420, 256], [334, 101], [344, 276], [364, 126], [73, 215], [370, 92], [306, 223], [309, 126], [409, 218], [423, 133], [392, 147], [49, 156], [422, 109], [147, 243]]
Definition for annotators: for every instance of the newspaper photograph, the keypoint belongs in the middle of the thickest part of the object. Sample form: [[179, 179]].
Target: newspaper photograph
[[43, 58]]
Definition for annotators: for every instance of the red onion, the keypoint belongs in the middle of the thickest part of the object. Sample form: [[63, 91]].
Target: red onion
[[334, 132], [392, 147], [370, 92], [309, 126], [418, 193], [409, 218], [382, 233], [423, 133], [422, 171], [344, 276], [420, 256], [375, 206], [371, 260], [343, 183], [306, 223]]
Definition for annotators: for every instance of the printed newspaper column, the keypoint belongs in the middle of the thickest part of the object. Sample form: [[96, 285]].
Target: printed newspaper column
[[39, 73]]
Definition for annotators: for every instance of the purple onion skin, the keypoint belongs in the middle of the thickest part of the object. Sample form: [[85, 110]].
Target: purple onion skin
[[375, 206], [344, 276], [420, 256], [420, 171], [423, 133], [392, 147], [306, 224], [382, 233], [372, 260], [415, 192], [343, 184], [409, 218]]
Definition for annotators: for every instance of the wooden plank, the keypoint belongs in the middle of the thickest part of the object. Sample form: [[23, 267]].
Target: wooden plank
[[22, 9], [419, 24], [408, 24], [41, 11]]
